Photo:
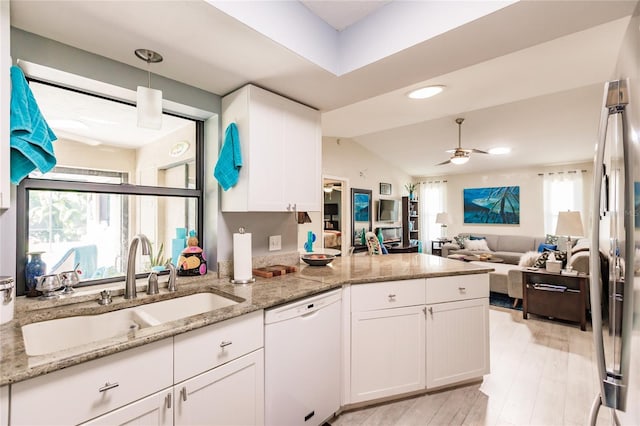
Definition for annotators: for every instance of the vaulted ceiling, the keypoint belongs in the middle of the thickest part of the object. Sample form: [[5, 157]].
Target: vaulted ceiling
[[523, 74]]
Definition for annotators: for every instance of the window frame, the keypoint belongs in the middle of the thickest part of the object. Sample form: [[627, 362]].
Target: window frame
[[22, 199]]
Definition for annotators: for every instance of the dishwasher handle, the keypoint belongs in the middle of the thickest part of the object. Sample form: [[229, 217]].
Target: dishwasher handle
[[303, 308]]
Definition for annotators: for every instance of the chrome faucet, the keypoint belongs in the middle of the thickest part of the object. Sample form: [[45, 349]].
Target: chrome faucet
[[172, 277], [130, 281]]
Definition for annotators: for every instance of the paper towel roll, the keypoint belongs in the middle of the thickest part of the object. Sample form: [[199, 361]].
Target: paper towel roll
[[241, 256]]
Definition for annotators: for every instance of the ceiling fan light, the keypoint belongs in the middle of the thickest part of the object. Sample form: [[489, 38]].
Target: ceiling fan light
[[425, 92], [328, 189], [459, 160]]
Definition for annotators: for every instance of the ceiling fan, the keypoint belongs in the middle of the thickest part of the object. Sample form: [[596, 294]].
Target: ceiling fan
[[460, 155]]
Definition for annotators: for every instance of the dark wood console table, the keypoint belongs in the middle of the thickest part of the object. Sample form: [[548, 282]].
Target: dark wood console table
[[555, 295], [403, 249]]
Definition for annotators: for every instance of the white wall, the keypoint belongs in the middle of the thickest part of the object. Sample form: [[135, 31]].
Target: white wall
[[531, 198]]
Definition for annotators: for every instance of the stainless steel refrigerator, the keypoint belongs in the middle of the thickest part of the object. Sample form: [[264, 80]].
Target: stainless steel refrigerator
[[615, 232]]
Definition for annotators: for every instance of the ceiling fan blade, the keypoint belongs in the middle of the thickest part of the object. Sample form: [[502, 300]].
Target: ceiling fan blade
[[443, 163], [479, 151]]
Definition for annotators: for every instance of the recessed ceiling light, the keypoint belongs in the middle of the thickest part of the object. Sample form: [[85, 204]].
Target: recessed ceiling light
[[425, 92], [501, 150]]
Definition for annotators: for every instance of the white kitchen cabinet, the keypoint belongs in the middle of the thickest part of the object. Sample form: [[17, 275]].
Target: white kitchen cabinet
[[457, 329], [5, 100], [85, 391], [281, 146], [232, 394], [387, 352], [154, 410]]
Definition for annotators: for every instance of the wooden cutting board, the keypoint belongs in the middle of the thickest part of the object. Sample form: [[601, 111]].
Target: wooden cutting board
[[273, 271]]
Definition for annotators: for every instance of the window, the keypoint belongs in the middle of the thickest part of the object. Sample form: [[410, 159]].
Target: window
[[112, 181], [432, 201], [561, 191]]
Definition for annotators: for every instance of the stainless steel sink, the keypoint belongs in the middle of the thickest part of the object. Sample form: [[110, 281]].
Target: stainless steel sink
[[50, 336]]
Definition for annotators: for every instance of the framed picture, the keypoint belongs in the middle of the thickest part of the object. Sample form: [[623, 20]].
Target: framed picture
[[496, 206], [385, 188], [360, 215]]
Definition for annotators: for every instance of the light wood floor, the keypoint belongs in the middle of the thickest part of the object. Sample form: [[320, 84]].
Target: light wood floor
[[542, 373]]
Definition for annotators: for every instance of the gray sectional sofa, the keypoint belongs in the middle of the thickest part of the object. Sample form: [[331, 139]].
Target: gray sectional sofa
[[507, 247], [507, 277]]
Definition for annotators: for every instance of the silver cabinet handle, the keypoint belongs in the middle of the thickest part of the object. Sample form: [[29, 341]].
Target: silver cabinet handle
[[168, 400], [108, 386], [462, 289], [225, 343], [183, 393], [431, 310], [392, 296]]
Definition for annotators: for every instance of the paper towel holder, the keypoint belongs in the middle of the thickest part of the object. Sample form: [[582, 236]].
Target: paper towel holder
[[245, 281]]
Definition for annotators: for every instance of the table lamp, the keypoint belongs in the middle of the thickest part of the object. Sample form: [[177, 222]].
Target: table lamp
[[569, 223], [443, 219]]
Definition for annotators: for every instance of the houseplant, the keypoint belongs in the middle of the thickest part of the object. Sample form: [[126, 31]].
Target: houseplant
[[158, 262], [410, 187]]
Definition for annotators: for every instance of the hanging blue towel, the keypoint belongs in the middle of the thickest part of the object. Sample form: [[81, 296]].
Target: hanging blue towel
[[229, 163], [31, 137]]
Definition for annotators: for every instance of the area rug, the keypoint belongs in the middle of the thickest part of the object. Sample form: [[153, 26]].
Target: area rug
[[503, 301]]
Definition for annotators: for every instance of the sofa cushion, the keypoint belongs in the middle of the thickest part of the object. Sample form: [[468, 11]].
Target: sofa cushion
[[542, 247], [460, 240], [515, 243], [509, 257]]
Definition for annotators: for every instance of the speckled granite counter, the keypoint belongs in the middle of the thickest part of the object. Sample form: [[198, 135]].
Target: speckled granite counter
[[15, 365]]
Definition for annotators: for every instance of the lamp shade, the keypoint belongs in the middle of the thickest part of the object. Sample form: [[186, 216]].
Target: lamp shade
[[149, 107], [570, 223], [443, 218]]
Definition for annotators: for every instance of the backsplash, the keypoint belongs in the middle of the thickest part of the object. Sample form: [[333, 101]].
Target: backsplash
[[225, 267]]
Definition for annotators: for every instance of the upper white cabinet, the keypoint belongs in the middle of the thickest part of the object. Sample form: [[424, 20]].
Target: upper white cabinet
[[281, 146], [5, 99]]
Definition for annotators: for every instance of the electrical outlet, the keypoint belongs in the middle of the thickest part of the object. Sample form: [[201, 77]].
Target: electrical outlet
[[275, 243]]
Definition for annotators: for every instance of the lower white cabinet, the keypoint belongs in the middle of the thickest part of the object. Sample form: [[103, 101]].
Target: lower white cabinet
[[387, 352], [457, 341], [232, 394], [154, 410]]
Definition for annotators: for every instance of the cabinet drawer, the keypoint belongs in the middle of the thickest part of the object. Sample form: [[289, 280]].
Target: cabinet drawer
[[208, 347], [457, 287], [87, 390], [392, 294]]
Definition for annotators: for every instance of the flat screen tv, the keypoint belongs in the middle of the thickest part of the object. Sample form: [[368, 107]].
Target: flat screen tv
[[330, 209], [388, 210]]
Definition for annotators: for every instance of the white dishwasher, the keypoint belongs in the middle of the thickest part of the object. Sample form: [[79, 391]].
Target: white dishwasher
[[302, 351]]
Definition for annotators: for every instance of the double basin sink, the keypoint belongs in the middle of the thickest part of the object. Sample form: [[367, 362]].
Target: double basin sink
[[45, 337]]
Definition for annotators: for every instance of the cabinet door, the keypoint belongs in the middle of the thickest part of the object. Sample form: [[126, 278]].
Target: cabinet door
[[387, 352], [302, 157], [232, 394], [457, 341], [154, 410]]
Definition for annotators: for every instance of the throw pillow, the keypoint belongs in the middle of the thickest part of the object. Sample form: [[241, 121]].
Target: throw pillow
[[474, 237], [476, 245], [559, 255], [551, 239], [460, 240], [543, 247], [529, 258]]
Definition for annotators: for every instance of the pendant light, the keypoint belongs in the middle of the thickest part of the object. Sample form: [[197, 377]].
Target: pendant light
[[149, 101]]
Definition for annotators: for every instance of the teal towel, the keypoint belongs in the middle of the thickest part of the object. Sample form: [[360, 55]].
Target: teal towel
[[31, 137], [229, 163]]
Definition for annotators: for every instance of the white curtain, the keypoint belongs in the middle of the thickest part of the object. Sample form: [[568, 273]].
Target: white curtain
[[431, 202], [561, 191]]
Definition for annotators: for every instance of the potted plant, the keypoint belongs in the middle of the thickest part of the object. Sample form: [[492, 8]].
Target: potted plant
[[410, 187], [158, 262]]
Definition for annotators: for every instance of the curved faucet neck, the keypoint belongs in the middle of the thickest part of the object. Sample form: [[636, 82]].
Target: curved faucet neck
[[130, 280]]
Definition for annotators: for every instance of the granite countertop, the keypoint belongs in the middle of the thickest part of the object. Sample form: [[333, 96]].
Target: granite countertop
[[16, 366]]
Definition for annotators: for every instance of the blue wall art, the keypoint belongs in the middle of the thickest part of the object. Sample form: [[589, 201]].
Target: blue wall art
[[496, 206]]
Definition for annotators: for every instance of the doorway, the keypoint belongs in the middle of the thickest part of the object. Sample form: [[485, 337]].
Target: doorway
[[335, 215]]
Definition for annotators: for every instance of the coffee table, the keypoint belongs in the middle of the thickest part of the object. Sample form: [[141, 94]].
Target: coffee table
[[474, 258]]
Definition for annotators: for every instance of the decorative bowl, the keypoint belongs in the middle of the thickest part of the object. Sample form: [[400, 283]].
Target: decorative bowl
[[317, 259]]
